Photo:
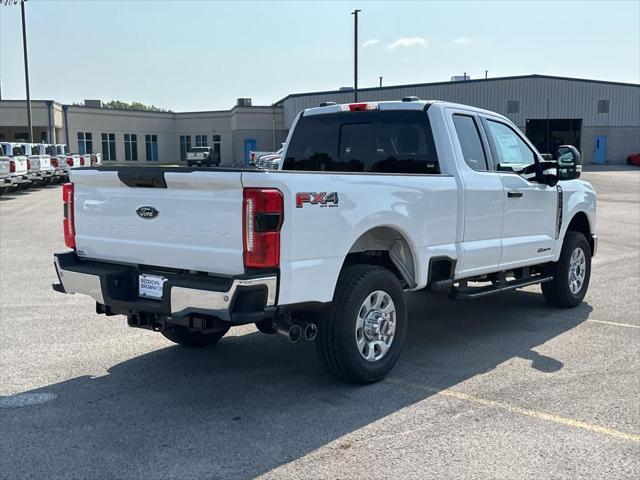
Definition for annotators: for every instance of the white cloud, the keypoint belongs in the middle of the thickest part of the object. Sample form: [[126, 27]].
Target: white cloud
[[407, 42], [463, 40], [368, 43]]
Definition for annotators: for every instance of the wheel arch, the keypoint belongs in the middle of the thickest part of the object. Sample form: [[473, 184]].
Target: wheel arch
[[386, 246], [580, 223]]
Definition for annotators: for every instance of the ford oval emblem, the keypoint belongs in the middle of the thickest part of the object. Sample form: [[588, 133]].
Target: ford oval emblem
[[148, 212]]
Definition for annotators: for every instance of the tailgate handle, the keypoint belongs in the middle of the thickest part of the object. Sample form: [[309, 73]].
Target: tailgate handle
[[142, 177]]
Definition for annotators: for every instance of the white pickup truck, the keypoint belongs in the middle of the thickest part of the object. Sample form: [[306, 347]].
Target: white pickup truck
[[18, 165], [202, 156], [371, 200]]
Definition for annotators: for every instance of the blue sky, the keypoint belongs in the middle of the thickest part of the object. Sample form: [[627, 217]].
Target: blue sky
[[202, 55]]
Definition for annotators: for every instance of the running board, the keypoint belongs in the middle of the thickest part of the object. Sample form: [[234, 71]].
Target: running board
[[471, 293]]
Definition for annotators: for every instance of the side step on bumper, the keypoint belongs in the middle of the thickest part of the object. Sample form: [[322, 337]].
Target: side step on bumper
[[470, 293]]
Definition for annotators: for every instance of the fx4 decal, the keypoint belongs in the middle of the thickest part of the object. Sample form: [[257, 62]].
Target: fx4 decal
[[323, 199]]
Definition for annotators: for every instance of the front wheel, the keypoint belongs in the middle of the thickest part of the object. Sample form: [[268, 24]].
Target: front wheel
[[362, 333], [182, 336], [571, 273]]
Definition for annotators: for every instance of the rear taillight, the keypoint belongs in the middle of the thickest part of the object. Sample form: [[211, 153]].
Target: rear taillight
[[12, 166], [28, 165], [81, 161], [54, 162], [252, 156], [70, 161], [68, 224], [263, 213]]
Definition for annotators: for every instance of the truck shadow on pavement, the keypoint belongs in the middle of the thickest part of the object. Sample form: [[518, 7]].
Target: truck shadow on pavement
[[254, 403]]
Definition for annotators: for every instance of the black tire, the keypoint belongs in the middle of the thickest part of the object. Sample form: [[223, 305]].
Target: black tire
[[182, 336], [557, 292], [266, 326], [336, 341]]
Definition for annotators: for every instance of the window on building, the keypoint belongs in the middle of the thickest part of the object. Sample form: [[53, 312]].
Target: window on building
[[85, 144], [185, 146], [513, 106], [130, 147], [44, 137], [470, 142], [21, 136], [603, 106], [108, 146], [201, 141], [151, 142], [216, 145]]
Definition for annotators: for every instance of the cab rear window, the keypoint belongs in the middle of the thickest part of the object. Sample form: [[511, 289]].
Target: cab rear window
[[365, 141]]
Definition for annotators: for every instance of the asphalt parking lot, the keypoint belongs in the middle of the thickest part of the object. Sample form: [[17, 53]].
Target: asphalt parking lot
[[502, 387]]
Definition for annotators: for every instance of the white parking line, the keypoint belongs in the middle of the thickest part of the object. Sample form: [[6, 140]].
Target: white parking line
[[615, 324]]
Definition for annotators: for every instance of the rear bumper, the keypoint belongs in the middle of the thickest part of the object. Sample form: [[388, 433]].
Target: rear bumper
[[240, 299], [15, 180]]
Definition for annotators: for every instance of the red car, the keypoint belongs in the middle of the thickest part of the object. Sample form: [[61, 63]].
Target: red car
[[634, 159]]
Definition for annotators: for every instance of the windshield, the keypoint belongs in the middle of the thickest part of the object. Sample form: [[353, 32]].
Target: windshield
[[371, 141]]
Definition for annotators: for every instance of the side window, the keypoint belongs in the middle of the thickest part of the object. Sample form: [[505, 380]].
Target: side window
[[470, 142], [513, 154]]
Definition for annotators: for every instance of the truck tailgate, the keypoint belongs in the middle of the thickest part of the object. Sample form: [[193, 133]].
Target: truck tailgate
[[198, 225]]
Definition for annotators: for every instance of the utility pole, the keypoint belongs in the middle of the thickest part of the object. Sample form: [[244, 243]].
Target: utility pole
[[26, 70], [355, 54], [486, 74], [380, 81]]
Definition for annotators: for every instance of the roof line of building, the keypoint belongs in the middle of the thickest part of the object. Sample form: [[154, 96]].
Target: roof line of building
[[477, 80]]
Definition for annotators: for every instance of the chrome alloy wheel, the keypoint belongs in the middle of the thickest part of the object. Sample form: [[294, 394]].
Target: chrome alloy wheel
[[577, 270], [376, 326]]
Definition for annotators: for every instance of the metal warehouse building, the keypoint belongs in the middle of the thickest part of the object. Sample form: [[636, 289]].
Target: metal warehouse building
[[601, 118]]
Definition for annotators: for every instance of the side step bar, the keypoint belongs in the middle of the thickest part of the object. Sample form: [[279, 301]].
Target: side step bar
[[470, 293]]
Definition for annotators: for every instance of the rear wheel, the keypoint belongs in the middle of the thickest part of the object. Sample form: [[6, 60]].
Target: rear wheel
[[362, 333], [571, 273], [182, 336]]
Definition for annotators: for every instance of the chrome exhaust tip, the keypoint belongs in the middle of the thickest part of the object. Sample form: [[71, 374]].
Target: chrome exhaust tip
[[310, 332], [293, 333]]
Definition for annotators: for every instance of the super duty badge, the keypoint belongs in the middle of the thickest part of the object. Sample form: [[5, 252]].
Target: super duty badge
[[323, 199]]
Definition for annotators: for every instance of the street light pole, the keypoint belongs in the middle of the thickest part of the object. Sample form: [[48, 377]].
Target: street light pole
[[355, 54], [26, 70]]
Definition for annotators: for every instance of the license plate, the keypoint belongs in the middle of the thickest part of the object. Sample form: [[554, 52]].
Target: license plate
[[150, 286]]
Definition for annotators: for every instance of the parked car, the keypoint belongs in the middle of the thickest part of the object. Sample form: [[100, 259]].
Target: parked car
[[72, 160], [18, 165], [40, 169], [254, 155], [58, 162], [5, 172], [634, 159], [264, 161], [96, 159], [385, 197], [85, 159], [203, 156]]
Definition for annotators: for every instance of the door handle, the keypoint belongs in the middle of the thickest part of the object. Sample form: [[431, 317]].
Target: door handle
[[514, 194]]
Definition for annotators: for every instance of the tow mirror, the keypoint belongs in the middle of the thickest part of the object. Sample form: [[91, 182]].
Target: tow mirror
[[569, 162]]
